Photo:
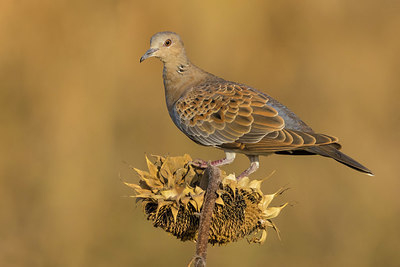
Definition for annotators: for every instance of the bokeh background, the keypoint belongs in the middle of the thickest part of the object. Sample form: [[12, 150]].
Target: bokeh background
[[77, 109]]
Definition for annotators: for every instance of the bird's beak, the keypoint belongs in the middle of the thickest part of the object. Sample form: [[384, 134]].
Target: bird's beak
[[149, 53]]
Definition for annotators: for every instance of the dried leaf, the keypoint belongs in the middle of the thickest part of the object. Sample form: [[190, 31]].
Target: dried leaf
[[243, 182], [134, 186], [174, 211], [169, 194], [273, 211], [152, 168], [220, 201]]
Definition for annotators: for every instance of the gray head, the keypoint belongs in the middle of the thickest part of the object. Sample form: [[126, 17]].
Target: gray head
[[167, 46]]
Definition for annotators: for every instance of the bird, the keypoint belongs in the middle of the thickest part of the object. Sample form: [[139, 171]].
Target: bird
[[231, 116]]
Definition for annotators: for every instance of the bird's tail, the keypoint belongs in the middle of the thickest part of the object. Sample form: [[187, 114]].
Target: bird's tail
[[332, 152]]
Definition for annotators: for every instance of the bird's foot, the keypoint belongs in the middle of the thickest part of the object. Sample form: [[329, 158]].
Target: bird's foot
[[199, 163], [254, 164], [202, 164]]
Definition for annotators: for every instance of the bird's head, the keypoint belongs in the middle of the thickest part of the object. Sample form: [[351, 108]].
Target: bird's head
[[166, 46]]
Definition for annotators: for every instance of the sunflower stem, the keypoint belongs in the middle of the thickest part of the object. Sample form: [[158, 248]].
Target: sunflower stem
[[213, 175]]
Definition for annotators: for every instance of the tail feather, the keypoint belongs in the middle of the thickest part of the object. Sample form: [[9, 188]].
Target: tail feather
[[331, 152]]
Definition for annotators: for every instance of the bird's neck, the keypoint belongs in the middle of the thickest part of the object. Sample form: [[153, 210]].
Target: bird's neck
[[179, 76]]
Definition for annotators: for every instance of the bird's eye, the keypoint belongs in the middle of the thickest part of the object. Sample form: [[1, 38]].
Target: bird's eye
[[168, 42]]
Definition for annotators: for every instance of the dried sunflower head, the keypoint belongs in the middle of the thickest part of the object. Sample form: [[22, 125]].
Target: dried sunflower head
[[172, 196]]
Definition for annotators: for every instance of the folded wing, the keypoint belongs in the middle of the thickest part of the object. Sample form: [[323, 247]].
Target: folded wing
[[237, 117]]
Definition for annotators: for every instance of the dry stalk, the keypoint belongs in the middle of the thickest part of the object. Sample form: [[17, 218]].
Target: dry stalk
[[213, 175]]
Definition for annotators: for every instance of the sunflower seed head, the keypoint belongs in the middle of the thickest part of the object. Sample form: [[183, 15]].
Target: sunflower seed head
[[171, 198]]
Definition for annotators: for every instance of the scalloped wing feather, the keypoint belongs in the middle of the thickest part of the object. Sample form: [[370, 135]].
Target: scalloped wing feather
[[218, 113], [239, 118]]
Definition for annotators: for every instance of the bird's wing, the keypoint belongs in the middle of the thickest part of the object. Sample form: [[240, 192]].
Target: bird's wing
[[219, 113], [233, 116]]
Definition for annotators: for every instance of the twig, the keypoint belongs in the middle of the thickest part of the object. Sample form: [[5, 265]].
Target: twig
[[213, 176]]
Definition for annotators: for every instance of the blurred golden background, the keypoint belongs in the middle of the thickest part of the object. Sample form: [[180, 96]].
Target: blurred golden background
[[77, 108]]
